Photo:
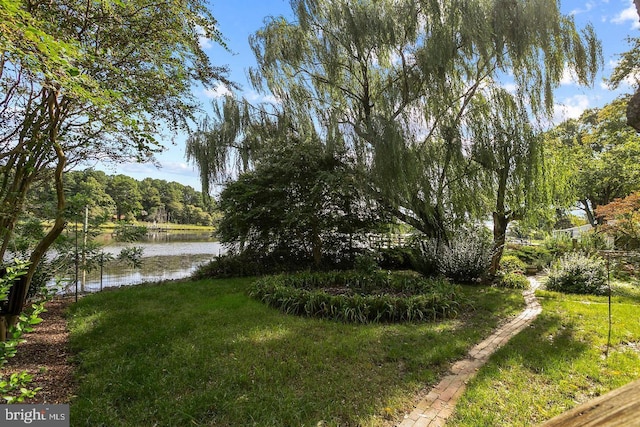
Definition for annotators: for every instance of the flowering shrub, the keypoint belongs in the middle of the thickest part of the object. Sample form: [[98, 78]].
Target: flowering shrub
[[576, 273], [466, 258]]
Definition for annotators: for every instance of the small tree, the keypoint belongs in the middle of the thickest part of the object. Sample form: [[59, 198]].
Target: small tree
[[622, 218], [124, 73], [302, 199]]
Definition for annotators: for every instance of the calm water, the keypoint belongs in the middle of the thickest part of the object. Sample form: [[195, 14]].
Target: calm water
[[166, 256]]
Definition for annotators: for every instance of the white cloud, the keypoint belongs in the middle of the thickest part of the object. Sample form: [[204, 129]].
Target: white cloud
[[628, 14], [568, 77], [219, 91], [605, 85], [204, 42], [510, 87], [256, 97], [571, 108], [587, 7]]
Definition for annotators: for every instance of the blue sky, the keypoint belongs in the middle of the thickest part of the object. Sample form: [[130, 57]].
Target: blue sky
[[614, 21]]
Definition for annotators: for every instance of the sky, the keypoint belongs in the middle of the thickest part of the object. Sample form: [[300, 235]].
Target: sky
[[613, 20]]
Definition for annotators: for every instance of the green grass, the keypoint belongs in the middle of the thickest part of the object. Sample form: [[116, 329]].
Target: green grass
[[557, 363], [203, 353]]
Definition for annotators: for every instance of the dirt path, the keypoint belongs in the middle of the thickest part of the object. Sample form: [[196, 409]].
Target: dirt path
[[45, 355]]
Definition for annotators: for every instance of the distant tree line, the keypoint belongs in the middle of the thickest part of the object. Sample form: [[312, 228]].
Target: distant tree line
[[122, 198]]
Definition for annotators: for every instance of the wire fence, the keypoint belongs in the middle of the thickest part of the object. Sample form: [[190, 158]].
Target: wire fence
[[118, 273]]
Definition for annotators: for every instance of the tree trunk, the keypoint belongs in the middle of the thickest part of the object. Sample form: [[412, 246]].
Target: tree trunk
[[19, 291], [587, 210], [500, 223]]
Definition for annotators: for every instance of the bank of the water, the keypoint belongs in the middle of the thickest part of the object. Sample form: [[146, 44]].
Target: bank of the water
[[165, 256]]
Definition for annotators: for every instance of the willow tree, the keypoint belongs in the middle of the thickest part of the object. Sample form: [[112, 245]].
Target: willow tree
[[510, 155], [125, 72], [398, 79]]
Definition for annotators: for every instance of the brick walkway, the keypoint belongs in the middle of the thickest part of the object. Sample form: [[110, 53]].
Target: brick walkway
[[438, 405]]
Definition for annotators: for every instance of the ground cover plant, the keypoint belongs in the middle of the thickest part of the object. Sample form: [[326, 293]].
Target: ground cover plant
[[558, 362], [352, 296], [205, 353]]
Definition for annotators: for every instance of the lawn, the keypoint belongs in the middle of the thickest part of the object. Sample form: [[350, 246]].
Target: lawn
[[203, 353], [557, 363]]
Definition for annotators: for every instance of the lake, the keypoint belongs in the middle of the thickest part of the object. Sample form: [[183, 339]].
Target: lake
[[166, 256]]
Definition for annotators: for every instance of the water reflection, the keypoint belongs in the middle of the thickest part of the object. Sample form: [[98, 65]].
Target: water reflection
[[166, 256]]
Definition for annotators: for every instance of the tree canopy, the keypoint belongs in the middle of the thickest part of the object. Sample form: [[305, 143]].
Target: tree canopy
[[598, 153], [412, 90], [123, 75], [300, 201]]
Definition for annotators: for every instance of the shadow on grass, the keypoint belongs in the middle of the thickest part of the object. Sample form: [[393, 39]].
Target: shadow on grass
[[547, 344], [204, 353]]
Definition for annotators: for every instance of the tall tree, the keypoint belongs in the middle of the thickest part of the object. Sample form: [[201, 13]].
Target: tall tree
[[301, 200], [511, 157], [126, 195], [398, 79], [127, 74], [599, 152]]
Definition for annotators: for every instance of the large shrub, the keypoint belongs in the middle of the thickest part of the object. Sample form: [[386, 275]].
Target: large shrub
[[360, 298], [578, 274]]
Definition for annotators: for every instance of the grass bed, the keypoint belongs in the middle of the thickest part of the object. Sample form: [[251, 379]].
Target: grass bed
[[204, 353], [557, 363], [360, 298]]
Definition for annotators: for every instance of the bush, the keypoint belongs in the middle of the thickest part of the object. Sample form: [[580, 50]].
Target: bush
[[576, 273], [466, 258], [530, 255], [349, 296], [512, 264], [400, 258], [559, 245], [513, 280], [426, 259]]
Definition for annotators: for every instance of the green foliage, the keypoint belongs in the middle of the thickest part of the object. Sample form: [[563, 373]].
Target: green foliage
[[464, 258], [302, 199], [512, 264], [559, 245], [252, 263], [576, 273], [127, 232], [538, 256], [15, 387], [131, 255], [119, 82], [366, 263], [512, 280], [360, 298], [398, 258], [597, 153]]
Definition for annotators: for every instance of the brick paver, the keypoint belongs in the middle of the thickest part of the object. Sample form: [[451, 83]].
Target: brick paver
[[438, 405]]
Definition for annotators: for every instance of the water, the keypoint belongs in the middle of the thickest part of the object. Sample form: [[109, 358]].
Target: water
[[166, 256]]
